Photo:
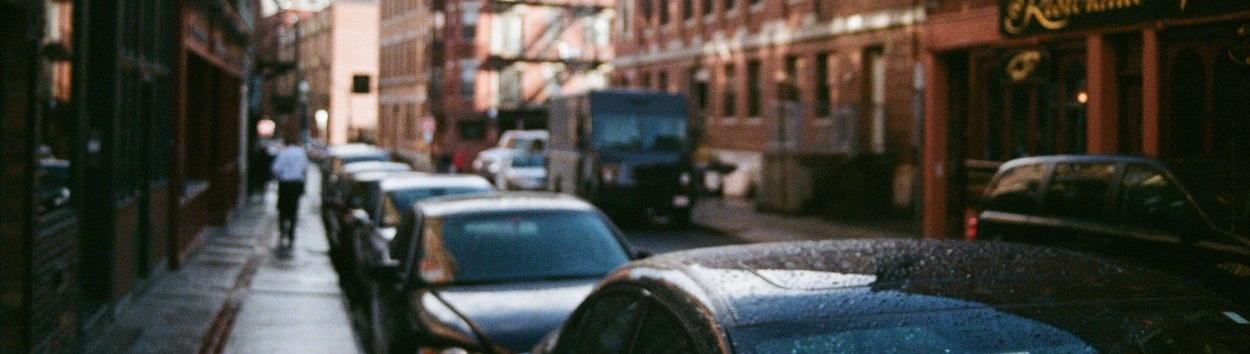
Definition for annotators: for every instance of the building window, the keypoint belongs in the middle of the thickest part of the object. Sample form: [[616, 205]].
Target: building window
[[551, 71], [472, 129], [754, 98], [662, 79], [729, 5], [410, 122], [468, 77], [468, 21], [662, 10], [687, 9], [509, 34], [436, 84], [756, 2], [824, 87], [510, 86], [729, 92]]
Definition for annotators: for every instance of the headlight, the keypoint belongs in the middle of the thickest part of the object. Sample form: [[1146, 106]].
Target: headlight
[[684, 178]]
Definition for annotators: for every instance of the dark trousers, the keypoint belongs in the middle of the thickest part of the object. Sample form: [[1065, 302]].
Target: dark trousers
[[289, 193]]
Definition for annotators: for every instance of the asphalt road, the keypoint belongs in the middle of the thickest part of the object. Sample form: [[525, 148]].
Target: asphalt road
[[660, 240]]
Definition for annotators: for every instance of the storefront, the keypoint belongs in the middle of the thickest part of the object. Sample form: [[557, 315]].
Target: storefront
[[1169, 79]]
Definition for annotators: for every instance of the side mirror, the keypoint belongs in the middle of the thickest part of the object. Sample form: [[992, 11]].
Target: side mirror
[[641, 253], [385, 273]]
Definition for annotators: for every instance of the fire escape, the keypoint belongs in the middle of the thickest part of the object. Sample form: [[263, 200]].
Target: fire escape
[[566, 57]]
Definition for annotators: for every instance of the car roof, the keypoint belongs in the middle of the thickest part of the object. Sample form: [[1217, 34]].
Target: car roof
[[780, 282], [501, 201], [375, 176], [526, 133], [406, 181], [354, 149], [362, 166], [1092, 158]]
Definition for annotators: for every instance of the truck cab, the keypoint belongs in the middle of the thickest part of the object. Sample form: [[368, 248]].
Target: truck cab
[[626, 151]]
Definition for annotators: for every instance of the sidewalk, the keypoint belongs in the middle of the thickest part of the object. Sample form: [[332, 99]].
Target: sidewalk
[[235, 295], [738, 218]]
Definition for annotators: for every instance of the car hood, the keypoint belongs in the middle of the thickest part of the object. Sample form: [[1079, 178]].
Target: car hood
[[515, 316]]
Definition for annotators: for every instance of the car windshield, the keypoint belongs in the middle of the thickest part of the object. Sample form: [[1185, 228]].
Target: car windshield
[[520, 143], [399, 202], [1154, 328], [640, 132], [1219, 190], [370, 157], [530, 245]]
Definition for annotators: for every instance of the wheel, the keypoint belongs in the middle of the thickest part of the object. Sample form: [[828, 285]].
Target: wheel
[[681, 218]]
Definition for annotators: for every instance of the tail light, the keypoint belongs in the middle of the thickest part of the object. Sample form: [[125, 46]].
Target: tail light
[[970, 228]]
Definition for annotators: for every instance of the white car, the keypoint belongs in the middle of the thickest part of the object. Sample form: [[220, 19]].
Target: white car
[[523, 171], [490, 161]]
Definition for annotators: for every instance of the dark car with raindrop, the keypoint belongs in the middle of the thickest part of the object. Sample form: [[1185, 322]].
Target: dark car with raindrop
[[490, 273], [896, 296]]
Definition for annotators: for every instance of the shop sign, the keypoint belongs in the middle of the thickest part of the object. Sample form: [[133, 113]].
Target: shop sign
[[1027, 66], [1024, 17]]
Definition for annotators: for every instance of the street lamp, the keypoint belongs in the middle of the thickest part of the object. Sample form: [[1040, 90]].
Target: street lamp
[[322, 118]]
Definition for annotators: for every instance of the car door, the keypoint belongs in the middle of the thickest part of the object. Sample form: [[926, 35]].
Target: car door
[[1176, 238], [1077, 210], [605, 323], [1009, 203], [627, 319]]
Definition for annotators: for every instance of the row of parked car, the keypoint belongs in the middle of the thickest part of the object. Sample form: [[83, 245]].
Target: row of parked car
[[444, 264]]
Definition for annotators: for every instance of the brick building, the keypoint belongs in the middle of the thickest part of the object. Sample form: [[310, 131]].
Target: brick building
[[121, 137], [494, 63], [406, 40], [1167, 79], [338, 59], [814, 101]]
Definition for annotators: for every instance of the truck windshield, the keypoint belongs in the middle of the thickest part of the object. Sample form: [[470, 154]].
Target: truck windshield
[[640, 132]]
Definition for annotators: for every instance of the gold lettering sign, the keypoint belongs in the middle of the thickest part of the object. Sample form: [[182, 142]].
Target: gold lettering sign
[[1022, 65], [1018, 15]]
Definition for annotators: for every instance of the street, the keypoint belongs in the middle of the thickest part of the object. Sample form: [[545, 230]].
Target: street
[[661, 240]]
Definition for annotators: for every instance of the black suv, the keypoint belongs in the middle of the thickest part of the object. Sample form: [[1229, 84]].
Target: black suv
[[1127, 207]]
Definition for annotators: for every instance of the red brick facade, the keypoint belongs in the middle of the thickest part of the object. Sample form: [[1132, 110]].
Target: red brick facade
[[842, 73]]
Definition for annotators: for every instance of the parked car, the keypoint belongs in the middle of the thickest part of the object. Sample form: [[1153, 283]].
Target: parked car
[[491, 273], [377, 207], [1132, 208], [490, 161], [523, 171], [333, 205], [896, 296], [331, 164]]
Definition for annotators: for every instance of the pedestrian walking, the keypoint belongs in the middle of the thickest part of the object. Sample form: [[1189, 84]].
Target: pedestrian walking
[[289, 167]]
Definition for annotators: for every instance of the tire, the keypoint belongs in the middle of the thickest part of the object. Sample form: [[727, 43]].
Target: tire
[[681, 218]]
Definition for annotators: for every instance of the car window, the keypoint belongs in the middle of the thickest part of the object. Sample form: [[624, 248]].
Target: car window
[[662, 333], [1152, 200], [528, 245], [609, 325], [403, 199], [1080, 190], [1016, 190]]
